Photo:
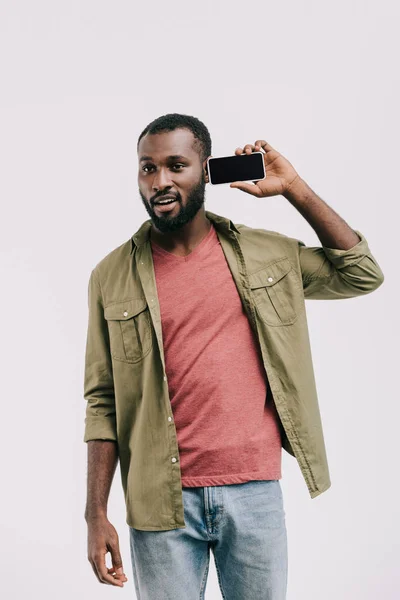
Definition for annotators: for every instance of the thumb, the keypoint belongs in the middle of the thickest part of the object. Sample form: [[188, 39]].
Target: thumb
[[246, 187], [116, 560]]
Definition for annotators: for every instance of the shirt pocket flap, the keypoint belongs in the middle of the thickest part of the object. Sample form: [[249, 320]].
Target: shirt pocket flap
[[270, 274], [121, 311]]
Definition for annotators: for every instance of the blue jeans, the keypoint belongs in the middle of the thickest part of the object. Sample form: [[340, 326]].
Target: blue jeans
[[243, 524]]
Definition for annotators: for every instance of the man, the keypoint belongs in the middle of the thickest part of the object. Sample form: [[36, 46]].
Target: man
[[198, 371]]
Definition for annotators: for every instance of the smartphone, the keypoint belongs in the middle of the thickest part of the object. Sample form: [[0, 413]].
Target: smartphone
[[240, 167]]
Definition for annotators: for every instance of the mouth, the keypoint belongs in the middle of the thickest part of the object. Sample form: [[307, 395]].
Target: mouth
[[165, 203]]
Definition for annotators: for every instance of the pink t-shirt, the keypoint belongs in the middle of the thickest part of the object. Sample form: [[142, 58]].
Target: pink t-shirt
[[227, 427]]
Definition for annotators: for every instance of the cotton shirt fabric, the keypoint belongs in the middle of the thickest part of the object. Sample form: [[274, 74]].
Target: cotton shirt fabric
[[227, 430], [125, 381]]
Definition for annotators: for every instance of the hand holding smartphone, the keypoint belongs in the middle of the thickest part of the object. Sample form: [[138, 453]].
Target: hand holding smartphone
[[244, 167]]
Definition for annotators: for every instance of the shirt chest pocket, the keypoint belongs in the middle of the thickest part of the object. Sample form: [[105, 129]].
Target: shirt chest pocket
[[275, 291], [129, 328]]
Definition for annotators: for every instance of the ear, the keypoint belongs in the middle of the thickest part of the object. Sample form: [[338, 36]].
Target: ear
[[205, 170]]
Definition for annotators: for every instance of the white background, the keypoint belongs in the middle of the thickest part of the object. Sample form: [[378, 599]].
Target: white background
[[80, 79]]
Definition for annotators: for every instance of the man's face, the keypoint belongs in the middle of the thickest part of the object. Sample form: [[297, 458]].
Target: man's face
[[169, 164]]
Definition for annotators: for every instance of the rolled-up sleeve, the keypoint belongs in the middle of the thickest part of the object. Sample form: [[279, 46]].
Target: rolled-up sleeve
[[100, 422], [330, 273]]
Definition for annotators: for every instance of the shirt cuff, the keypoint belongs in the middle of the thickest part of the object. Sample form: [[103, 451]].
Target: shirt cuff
[[345, 258], [100, 428]]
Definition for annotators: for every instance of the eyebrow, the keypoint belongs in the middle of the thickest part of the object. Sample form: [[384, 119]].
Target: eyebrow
[[171, 157]]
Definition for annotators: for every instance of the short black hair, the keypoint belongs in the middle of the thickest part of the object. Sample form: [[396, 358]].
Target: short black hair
[[173, 121]]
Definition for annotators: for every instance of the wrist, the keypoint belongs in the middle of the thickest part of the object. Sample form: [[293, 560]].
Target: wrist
[[295, 188], [95, 515]]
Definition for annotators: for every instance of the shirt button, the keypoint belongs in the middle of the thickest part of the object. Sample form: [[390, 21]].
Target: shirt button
[[125, 313], [174, 460], [165, 378], [270, 279], [169, 418]]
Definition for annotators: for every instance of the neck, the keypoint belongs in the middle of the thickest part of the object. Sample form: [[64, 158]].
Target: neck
[[185, 239]]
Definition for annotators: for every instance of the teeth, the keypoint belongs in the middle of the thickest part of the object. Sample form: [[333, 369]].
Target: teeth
[[165, 201]]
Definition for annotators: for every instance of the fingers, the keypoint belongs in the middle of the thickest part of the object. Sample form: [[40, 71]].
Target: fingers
[[100, 570], [103, 573], [248, 149], [256, 147], [264, 145], [111, 575], [95, 570], [252, 189], [103, 538], [117, 561], [118, 574]]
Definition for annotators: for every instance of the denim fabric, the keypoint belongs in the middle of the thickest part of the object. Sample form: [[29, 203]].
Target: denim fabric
[[244, 526]]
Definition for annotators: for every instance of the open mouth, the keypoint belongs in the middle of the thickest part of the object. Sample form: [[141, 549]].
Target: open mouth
[[162, 202], [165, 205]]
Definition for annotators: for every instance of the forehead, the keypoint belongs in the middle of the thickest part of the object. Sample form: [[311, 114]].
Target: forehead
[[159, 146]]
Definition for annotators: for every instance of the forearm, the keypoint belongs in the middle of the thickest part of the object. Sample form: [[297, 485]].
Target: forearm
[[330, 228], [102, 462]]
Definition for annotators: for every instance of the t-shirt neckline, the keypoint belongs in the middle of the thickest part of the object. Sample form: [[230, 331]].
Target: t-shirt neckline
[[201, 246]]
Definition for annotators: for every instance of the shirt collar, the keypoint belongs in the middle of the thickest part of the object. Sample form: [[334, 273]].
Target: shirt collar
[[221, 224]]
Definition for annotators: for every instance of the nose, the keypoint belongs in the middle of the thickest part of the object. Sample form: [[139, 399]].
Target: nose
[[162, 180]]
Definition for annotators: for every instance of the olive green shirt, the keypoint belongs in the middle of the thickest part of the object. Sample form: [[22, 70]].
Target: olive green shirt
[[125, 384]]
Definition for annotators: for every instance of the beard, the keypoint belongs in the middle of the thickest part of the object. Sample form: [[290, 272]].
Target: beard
[[187, 212]]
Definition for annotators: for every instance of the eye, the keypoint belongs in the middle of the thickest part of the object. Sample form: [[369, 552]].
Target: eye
[[172, 166]]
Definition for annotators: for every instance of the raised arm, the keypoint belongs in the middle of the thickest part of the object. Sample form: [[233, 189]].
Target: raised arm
[[343, 266]]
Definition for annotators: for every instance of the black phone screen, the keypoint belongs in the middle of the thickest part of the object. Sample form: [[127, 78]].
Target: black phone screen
[[242, 167]]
